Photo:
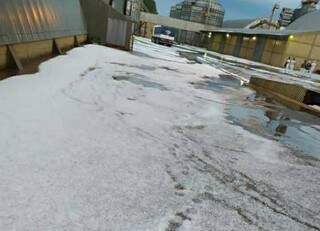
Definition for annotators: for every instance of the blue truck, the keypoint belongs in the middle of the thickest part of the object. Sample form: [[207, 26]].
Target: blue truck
[[163, 35]]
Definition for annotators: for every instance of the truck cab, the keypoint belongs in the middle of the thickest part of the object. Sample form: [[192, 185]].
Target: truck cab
[[162, 35]]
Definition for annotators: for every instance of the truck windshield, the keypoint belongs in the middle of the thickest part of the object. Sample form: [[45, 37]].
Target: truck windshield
[[164, 30]]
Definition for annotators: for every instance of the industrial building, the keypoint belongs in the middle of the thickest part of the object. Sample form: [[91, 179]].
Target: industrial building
[[301, 40], [39, 29], [253, 24], [307, 6], [286, 17], [133, 9], [209, 12]]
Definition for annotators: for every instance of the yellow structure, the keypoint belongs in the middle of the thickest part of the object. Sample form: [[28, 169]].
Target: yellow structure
[[301, 40], [28, 51], [268, 49]]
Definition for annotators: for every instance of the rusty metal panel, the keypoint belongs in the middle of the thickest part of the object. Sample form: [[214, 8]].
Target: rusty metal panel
[[31, 20]]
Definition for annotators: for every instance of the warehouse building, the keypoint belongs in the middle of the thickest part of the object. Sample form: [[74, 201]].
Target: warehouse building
[[307, 6], [286, 17], [301, 40], [39, 29], [209, 12], [256, 23]]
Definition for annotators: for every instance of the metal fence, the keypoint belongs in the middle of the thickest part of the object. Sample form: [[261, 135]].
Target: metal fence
[[30, 20]]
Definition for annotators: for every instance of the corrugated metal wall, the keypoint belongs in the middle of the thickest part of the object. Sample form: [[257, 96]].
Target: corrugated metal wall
[[117, 32], [106, 25], [30, 20]]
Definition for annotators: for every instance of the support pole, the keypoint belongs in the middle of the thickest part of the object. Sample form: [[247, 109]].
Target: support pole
[[56, 50], [76, 42], [14, 61]]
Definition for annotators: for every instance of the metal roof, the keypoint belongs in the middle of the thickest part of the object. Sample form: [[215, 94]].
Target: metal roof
[[283, 33], [240, 23], [307, 23]]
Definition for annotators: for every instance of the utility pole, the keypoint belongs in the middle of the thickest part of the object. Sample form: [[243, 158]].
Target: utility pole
[[275, 7], [208, 11]]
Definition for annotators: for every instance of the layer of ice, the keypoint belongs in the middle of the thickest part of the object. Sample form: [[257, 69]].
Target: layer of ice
[[80, 150]]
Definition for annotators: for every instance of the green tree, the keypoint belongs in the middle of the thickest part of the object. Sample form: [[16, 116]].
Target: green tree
[[151, 5]]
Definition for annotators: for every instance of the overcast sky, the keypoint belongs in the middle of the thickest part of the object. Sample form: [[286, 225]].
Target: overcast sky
[[237, 8]]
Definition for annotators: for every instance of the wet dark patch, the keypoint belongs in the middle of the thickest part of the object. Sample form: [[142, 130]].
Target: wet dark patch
[[142, 67], [173, 226], [224, 82], [244, 186], [191, 56], [169, 68], [180, 194], [88, 70], [185, 170], [240, 211], [264, 116], [139, 80], [178, 220], [183, 216], [124, 113], [206, 77], [197, 127], [173, 151], [243, 215], [196, 200], [179, 187], [169, 172]]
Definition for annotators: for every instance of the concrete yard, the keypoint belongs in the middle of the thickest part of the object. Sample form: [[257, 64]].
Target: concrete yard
[[102, 139]]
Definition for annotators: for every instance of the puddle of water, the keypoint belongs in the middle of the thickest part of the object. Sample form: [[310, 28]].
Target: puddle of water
[[139, 80], [220, 84], [261, 115]]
